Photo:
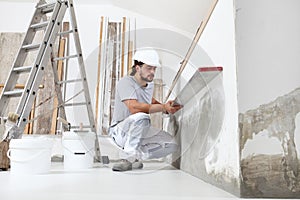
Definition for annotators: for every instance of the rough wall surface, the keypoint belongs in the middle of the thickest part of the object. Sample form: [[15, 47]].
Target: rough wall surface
[[204, 151], [271, 175], [9, 46]]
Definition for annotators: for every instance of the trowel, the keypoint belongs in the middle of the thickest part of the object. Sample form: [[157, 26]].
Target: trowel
[[199, 80]]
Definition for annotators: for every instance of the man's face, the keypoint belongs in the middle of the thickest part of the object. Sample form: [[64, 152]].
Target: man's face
[[147, 72]]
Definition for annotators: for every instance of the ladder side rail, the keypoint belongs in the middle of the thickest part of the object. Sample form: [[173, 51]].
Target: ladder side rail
[[28, 39], [84, 80], [82, 67], [25, 109], [37, 64], [19, 61]]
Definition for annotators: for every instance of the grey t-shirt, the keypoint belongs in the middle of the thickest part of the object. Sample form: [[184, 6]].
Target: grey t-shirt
[[128, 88]]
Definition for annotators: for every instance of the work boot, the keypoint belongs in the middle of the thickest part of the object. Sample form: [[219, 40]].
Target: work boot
[[137, 165], [124, 165]]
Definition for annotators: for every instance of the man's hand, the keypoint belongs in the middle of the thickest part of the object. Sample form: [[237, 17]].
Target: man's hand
[[170, 108]]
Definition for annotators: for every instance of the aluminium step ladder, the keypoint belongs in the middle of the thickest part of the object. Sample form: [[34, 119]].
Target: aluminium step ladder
[[54, 11]]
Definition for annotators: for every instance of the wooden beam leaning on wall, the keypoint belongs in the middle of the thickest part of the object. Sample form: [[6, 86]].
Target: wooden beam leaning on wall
[[98, 72], [29, 127], [130, 55], [192, 47], [123, 46]]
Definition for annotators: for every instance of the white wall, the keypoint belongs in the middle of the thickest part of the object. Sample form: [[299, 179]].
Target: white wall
[[15, 17], [268, 47], [218, 41]]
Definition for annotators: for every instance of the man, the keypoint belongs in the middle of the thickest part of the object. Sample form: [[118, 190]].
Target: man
[[131, 128]]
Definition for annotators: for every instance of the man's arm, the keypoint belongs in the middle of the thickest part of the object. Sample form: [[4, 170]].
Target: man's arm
[[154, 101], [134, 107]]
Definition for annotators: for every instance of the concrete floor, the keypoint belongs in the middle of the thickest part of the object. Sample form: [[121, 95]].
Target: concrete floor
[[156, 181]]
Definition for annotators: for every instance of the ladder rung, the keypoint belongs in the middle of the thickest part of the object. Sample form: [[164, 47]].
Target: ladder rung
[[31, 47], [40, 25], [69, 81], [65, 32], [75, 104], [46, 8], [22, 69], [64, 58], [13, 93]]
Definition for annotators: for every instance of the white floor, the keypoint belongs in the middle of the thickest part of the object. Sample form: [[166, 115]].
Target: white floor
[[156, 181]]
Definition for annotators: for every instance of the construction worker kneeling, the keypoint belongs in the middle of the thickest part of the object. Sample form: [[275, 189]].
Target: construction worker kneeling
[[131, 126]]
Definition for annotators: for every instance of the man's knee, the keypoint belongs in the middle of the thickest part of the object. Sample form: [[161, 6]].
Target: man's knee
[[171, 147], [163, 150], [141, 119]]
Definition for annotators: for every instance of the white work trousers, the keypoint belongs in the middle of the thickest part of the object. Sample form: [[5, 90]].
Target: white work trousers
[[139, 140]]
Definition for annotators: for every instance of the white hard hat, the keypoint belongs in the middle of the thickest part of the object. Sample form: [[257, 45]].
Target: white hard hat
[[148, 56]]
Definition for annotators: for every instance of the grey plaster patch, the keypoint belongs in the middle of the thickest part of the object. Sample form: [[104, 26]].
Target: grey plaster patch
[[271, 175]]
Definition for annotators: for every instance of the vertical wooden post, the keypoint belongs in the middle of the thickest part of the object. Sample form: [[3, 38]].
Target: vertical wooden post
[[98, 72], [130, 54], [123, 46], [31, 116]]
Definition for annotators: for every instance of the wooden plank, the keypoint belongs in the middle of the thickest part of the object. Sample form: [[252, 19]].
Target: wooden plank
[[192, 47], [19, 86], [123, 46], [66, 27], [99, 70], [130, 54], [60, 69], [31, 116]]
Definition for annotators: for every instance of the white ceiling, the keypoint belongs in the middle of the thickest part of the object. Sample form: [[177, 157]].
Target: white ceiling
[[183, 14]]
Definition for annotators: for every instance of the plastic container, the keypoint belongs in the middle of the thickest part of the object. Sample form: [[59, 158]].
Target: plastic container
[[79, 150], [30, 155]]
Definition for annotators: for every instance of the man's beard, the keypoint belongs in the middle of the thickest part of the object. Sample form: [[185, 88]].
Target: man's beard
[[146, 79]]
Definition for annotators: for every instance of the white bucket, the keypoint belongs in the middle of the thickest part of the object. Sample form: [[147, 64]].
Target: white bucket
[[79, 150], [30, 155]]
